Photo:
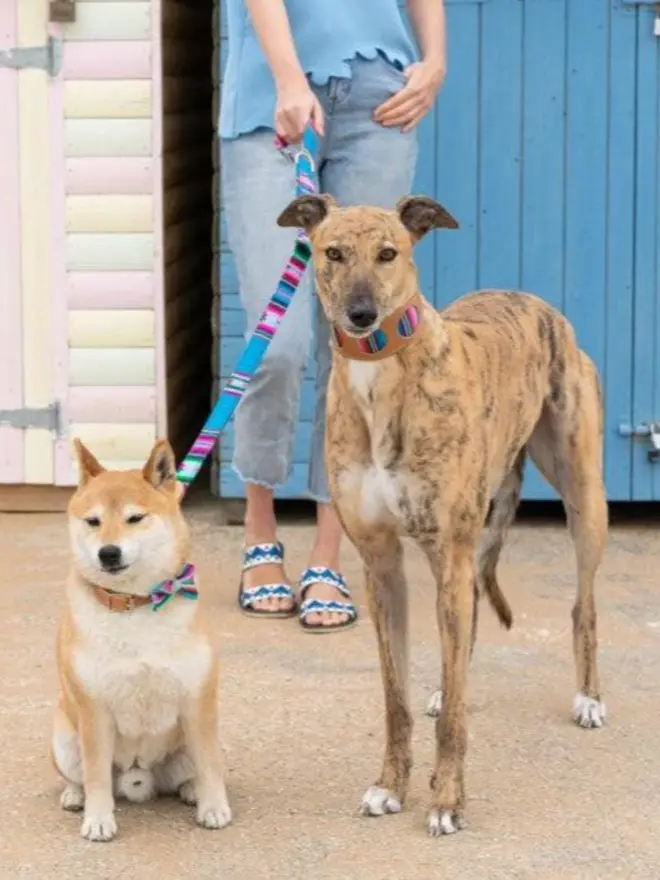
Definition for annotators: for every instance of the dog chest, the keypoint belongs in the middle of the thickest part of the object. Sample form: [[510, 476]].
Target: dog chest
[[140, 667]]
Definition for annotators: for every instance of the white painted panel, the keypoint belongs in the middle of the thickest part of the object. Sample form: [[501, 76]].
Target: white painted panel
[[107, 99], [100, 328], [112, 366], [107, 137], [109, 21], [118, 442], [109, 213], [88, 252]]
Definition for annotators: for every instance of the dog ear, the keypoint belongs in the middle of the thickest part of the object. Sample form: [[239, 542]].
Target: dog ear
[[88, 466], [306, 212], [160, 469], [419, 215]]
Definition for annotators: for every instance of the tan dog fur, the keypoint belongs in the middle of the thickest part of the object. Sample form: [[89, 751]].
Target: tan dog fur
[[427, 442], [137, 714]]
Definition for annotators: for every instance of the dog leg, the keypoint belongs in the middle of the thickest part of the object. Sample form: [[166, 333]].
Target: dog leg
[[65, 752], [453, 567], [200, 724], [97, 739], [502, 514], [567, 448], [388, 605]]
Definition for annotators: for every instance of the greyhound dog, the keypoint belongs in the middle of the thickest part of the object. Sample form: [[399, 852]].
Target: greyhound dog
[[430, 417]]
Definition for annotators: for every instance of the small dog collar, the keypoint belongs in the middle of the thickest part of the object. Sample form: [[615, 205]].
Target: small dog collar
[[184, 584], [394, 333]]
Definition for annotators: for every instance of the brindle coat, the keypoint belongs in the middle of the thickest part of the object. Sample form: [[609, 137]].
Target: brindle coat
[[431, 442]]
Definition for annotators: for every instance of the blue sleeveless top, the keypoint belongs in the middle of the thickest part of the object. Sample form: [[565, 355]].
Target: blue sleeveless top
[[326, 36]]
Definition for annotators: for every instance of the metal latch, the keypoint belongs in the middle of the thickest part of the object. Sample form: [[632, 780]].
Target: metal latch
[[650, 431], [48, 57], [62, 11], [46, 418]]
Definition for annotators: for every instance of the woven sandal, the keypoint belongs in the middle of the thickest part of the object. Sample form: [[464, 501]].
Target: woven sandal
[[320, 575], [254, 556]]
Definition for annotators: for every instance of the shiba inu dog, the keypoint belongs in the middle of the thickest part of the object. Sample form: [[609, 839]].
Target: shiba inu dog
[[137, 714]]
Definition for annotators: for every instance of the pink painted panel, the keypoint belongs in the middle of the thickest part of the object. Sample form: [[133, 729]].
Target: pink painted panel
[[129, 404], [159, 271], [11, 382], [112, 176], [106, 60], [110, 290], [59, 312]]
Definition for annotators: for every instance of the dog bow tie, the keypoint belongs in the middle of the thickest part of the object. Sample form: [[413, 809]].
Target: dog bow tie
[[184, 584]]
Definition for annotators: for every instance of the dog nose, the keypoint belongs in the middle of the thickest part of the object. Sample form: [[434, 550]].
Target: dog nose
[[361, 310], [110, 556]]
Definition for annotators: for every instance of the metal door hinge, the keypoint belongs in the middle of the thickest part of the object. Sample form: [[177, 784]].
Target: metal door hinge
[[62, 11], [46, 418], [48, 57], [650, 431]]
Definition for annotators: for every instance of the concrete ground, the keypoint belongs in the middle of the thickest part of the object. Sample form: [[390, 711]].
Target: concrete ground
[[303, 729]]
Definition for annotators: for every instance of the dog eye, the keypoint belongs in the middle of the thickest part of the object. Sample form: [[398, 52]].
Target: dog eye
[[386, 255], [93, 521], [135, 518], [334, 255]]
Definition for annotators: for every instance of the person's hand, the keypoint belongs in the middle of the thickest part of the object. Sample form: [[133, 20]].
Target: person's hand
[[296, 106], [405, 109]]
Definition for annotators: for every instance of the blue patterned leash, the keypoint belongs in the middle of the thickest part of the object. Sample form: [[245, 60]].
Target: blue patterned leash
[[270, 319]]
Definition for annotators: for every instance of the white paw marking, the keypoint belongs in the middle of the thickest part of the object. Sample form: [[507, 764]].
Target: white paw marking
[[72, 798], [214, 817], [434, 705], [101, 828], [188, 794], [441, 822], [587, 711], [378, 801]]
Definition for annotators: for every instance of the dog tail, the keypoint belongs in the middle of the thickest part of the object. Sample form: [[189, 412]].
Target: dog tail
[[501, 516]]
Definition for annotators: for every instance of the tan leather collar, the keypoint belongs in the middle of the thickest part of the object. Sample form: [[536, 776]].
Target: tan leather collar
[[119, 601], [395, 332]]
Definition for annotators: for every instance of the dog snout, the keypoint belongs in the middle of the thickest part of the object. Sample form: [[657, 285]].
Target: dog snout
[[110, 557], [361, 308]]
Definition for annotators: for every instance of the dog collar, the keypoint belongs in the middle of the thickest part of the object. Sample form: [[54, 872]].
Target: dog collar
[[394, 333], [184, 584]]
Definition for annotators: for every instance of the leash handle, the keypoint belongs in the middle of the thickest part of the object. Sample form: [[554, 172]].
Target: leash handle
[[257, 345]]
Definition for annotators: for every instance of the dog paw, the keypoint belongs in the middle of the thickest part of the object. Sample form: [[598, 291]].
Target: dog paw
[[434, 704], [214, 816], [378, 801], [100, 828], [588, 712], [187, 793], [72, 798], [442, 822]]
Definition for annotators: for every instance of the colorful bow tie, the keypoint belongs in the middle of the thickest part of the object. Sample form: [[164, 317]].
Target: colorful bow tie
[[183, 585]]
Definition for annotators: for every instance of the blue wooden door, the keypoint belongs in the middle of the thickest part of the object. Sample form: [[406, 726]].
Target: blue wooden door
[[545, 146]]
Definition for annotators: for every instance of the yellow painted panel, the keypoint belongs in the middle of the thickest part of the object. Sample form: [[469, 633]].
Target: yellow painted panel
[[35, 186], [109, 214], [101, 328], [109, 21], [107, 137], [118, 252], [120, 442], [107, 99], [112, 366]]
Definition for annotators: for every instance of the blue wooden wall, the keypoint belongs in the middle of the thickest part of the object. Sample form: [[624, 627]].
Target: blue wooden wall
[[545, 144]]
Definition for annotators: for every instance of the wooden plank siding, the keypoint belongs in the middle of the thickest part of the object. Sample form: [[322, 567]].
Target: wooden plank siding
[[110, 179]]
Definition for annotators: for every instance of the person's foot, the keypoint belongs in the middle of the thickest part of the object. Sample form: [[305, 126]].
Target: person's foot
[[265, 588]]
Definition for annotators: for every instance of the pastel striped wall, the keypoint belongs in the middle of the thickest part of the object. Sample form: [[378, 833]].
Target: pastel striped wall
[[109, 174]]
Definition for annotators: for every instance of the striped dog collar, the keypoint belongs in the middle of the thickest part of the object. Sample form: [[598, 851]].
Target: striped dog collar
[[395, 332]]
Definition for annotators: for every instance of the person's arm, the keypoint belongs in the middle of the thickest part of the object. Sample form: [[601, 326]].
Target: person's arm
[[427, 18], [423, 79], [296, 103]]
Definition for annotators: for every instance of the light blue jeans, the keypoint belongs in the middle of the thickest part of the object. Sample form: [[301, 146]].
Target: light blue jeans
[[360, 162]]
